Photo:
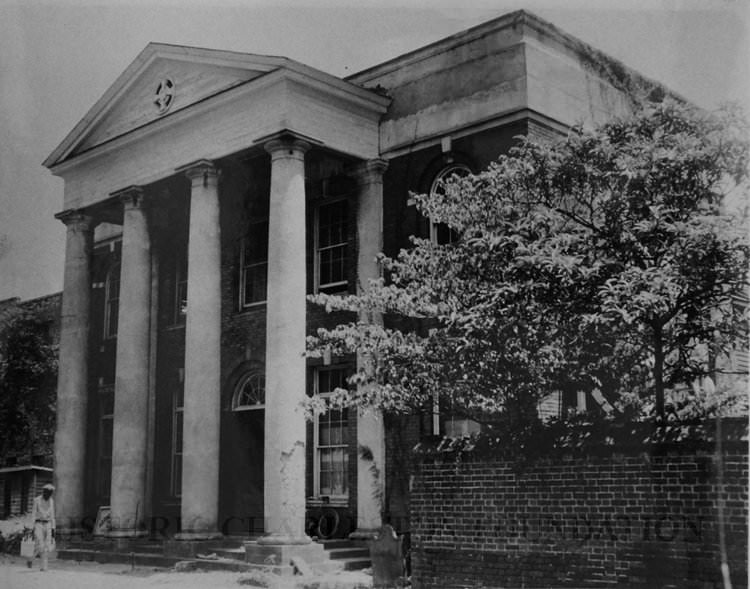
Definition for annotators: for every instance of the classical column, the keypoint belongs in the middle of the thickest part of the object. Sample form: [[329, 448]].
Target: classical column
[[284, 466], [202, 408], [370, 430], [72, 382], [132, 371]]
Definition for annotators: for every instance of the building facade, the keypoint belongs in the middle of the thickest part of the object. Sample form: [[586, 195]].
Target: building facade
[[207, 193]]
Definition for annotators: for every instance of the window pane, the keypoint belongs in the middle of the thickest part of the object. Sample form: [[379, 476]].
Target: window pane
[[105, 477], [332, 239], [106, 437], [180, 291], [178, 433], [177, 475], [333, 471], [333, 224], [255, 264], [324, 381], [333, 265], [256, 244], [112, 295], [112, 315], [332, 441], [256, 277], [324, 434], [443, 235], [107, 402], [181, 311]]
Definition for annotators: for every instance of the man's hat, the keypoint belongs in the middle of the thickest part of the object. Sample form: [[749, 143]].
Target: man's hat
[[48, 487]]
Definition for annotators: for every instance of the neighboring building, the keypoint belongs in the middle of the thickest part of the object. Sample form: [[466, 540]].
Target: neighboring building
[[206, 195], [25, 465], [18, 487]]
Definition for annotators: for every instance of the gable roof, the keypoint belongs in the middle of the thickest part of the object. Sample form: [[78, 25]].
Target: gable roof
[[196, 74]]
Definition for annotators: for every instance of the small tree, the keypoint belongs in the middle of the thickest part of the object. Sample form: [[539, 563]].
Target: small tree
[[604, 261], [28, 371]]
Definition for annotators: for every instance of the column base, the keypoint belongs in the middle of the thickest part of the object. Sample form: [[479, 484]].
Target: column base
[[198, 535], [126, 533], [64, 535], [284, 540], [285, 559], [365, 534]]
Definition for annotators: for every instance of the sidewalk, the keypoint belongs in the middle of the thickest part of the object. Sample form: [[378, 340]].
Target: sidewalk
[[64, 574]]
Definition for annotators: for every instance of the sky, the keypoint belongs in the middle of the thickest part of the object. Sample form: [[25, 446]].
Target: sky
[[57, 58]]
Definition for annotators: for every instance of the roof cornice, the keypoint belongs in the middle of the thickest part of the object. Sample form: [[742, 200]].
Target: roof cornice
[[266, 64]]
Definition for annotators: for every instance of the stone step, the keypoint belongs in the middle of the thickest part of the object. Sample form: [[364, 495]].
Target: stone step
[[155, 561], [355, 564], [231, 553], [225, 554], [339, 543], [353, 555], [353, 552], [132, 558], [108, 546]]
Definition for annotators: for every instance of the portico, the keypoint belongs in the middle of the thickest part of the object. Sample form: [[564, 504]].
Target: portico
[[218, 108]]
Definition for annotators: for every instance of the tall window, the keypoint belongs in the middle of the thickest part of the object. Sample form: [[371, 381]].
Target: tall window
[[331, 238], [180, 292], [106, 420], [331, 434], [112, 301], [440, 233], [254, 265], [177, 421]]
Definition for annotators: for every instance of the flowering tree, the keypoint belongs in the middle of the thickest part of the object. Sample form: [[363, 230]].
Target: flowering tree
[[606, 261]]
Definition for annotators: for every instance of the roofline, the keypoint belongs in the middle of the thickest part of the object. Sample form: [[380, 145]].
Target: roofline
[[356, 95], [264, 63], [443, 44], [511, 19]]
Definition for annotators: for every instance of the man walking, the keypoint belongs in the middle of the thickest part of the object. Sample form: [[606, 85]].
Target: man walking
[[43, 518]]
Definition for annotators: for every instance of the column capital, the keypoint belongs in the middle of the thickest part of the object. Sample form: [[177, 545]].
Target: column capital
[[131, 197], [76, 219], [203, 169], [370, 170], [286, 144]]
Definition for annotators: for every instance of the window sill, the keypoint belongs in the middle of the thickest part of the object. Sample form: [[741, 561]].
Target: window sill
[[251, 307], [332, 502]]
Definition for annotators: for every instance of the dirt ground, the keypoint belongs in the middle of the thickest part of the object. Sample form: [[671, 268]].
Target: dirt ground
[[71, 575]]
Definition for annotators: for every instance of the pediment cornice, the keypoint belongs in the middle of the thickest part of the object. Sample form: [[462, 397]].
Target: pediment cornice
[[200, 78]]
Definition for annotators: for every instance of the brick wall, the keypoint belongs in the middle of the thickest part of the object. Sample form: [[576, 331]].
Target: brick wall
[[635, 520]]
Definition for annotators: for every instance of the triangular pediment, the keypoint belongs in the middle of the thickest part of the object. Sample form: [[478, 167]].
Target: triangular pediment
[[161, 81]]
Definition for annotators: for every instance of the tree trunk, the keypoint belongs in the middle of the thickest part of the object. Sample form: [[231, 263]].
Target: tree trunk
[[659, 370]]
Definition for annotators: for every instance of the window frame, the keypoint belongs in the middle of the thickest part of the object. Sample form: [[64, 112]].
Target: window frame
[[342, 285], [444, 173], [240, 388], [243, 304], [179, 318], [175, 452], [345, 371], [104, 460], [110, 320]]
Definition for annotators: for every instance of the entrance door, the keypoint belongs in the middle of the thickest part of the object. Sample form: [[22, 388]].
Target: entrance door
[[241, 506]]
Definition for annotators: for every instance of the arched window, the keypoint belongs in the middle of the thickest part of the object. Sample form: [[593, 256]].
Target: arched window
[[250, 392], [440, 233], [111, 301]]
